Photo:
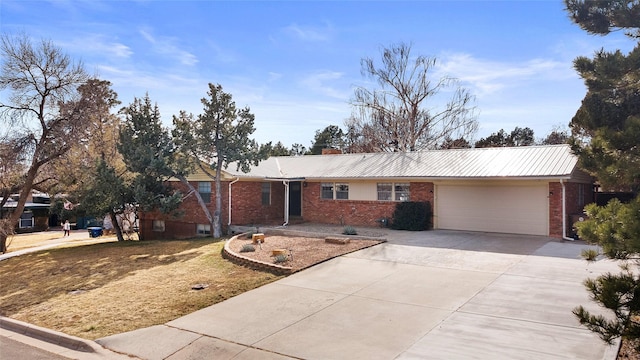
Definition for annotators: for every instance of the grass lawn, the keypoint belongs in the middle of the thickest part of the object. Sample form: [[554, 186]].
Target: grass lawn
[[103, 289]]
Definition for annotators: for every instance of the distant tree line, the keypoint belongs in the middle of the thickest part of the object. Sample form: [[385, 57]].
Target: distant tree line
[[333, 137]]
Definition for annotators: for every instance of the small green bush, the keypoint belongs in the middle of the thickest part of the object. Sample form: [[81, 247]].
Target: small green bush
[[412, 215], [248, 248], [349, 230], [280, 258], [590, 254]]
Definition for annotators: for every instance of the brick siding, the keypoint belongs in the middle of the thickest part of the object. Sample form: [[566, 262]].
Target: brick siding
[[572, 202], [354, 212], [246, 208]]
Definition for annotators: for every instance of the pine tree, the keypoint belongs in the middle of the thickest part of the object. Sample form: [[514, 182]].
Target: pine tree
[[218, 137], [605, 135]]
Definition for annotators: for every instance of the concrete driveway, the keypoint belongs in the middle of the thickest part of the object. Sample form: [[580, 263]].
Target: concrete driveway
[[422, 295]]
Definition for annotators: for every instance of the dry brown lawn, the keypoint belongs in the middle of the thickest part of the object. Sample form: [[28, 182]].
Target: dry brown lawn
[[23, 241], [102, 289]]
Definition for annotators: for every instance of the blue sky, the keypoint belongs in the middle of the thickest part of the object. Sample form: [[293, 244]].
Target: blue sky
[[295, 63]]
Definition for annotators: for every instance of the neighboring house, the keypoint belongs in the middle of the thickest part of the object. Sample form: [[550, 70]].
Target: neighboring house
[[520, 190], [35, 216]]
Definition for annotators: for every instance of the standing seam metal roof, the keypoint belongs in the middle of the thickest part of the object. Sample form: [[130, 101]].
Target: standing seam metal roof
[[506, 162]]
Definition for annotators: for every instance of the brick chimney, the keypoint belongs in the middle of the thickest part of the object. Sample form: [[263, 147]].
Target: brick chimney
[[331, 151]]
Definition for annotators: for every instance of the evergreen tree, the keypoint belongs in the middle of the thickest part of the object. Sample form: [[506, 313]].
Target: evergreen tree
[[332, 137], [149, 153], [518, 137], [219, 137], [605, 132]]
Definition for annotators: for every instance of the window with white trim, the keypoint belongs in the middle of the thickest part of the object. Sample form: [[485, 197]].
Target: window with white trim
[[26, 219], [266, 193], [401, 192], [393, 191], [334, 191], [342, 191], [203, 229], [385, 191], [326, 191], [158, 225], [204, 188]]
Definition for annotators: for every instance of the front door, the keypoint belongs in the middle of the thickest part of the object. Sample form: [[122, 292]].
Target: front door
[[295, 198]]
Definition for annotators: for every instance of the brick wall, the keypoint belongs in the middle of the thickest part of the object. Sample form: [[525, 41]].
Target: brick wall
[[246, 208], [573, 201], [247, 205], [555, 210], [354, 212]]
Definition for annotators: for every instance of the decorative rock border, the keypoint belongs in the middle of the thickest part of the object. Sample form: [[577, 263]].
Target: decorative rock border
[[276, 269], [252, 263]]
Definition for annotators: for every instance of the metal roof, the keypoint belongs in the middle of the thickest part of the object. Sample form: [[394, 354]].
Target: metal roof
[[552, 161]]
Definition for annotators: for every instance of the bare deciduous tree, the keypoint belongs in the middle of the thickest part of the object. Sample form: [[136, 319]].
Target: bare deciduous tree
[[39, 79], [402, 114]]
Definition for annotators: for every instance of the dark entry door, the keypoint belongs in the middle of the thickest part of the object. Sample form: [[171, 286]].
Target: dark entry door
[[295, 198]]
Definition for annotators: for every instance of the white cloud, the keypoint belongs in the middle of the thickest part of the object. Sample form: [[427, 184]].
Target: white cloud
[[98, 44], [310, 33], [487, 77], [317, 82], [166, 46], [274, 76]]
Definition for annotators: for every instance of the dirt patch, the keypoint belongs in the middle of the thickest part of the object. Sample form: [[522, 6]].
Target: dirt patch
[[301, 251]]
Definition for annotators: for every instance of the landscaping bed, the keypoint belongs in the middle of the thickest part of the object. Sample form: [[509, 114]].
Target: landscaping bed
[[299, 252]]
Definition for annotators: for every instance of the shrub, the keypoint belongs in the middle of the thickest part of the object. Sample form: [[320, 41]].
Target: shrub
[[248, 248], [349, 230], [280, 258], [412, 215]]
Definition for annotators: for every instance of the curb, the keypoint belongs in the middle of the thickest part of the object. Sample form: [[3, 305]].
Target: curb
[[50, 336]]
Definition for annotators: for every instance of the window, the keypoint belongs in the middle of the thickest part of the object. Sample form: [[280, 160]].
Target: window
[[580, 194], [332, 191], [158, 225], [203, 229], [26, 219], [326, 191], [401, 191], [385, 191], [342, 191], [393, 191], [204, 188], [266, 193]]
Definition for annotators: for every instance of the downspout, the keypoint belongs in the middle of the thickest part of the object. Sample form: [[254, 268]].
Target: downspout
[[564, 213], [231, 183], [286, 202]]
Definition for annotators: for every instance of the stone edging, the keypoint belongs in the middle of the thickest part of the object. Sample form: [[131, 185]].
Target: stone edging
[[252, 263], [274, 268]]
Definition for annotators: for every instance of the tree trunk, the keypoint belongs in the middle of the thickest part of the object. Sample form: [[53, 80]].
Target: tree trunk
[[116, 225], [217, 226], [3, 243], [201, 202], [15, 215]]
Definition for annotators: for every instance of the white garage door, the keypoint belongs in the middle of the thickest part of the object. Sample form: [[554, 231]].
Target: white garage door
[[515, 209]]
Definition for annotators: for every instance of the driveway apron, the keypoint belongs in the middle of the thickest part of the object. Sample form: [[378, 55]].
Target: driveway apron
[[421, 295]]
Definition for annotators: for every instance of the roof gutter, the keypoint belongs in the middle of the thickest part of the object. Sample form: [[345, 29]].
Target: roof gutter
[[564, 213], [231, 183], [286, 202]]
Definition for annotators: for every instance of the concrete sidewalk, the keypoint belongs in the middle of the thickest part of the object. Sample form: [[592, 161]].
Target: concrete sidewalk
[[423, 295], [75, 237]]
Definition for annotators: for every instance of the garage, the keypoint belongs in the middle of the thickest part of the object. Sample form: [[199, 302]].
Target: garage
[[505, 208]]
